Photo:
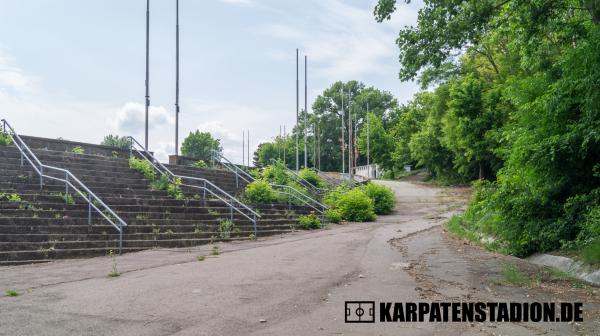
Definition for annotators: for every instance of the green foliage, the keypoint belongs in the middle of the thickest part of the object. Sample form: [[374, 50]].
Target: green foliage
[[10, 197], [383, 198], [511, 274], [354, 205], [116, 141], [333, 215], [518, 107], [199, 145], [590, 254], [200, 258], [5, 139], [143, 167], [78, 150], [200, 164], [11, 292], [276, 173], [215, 250], [309, 222], [174, 189], [312, 177], [380, 143], [68, 198], [260, 192], [113, 272], [225, 228], [161, 183]]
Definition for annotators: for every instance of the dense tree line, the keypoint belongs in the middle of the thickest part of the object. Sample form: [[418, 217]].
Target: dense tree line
[[512, 96]]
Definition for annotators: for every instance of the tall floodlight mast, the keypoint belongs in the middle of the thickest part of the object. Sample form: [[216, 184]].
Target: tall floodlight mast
[[297, 112], [305, 110], [343, 135], [368, 143], [177, 77], [147, 103]]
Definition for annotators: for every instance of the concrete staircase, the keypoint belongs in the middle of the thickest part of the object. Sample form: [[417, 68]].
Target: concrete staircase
[[42, 226]]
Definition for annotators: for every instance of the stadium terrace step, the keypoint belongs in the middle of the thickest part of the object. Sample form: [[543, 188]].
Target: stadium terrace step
[[43, 224]]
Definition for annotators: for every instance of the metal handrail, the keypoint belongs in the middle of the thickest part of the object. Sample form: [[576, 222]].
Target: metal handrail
[[69, 181], [305, 183], [161, 169], [290, 191]]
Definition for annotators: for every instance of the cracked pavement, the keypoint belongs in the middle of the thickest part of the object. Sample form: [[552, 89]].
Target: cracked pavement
[[294, 284]]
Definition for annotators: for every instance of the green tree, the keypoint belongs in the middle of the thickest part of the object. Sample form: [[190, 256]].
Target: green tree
[[116, 141], [380, 143], [199, 145]]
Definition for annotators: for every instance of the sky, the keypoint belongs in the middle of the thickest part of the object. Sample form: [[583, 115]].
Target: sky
[[76, 69]]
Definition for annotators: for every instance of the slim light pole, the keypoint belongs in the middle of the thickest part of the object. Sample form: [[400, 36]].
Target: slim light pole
[[284, 144], [305, 110], [248, 148], [297, 113], [177, 77], [350, 136], [368, 143], [343, 135], [147, 70]]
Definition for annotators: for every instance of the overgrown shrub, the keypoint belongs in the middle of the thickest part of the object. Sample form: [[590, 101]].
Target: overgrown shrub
[[116, 141], [309, 222], [5, 139], [199, 164], [143, 167], [78, 150], [382, 196], [356, 206], [174, 189], [312, 177], [260, 192], [161, 183], [333, 215], [276, 173]]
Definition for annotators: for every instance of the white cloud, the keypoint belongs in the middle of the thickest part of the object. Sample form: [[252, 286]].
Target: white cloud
[[12, 78], [130, 118], [348, 44]]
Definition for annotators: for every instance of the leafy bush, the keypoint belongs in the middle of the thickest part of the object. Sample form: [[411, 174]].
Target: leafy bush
[[312, 177], [260, 192], [161, 183], [382, 196], [333, 215], [78, 150], [199, 164], [116, 141], [143, 167], [276, 173], [5, 139], [309, 222], [174, 189], [356, 206]]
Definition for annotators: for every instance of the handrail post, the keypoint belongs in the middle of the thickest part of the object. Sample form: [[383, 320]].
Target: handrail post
[[231, 213], [66, 187], [255, 229], [204, 192], [236, 181], [90, 210], [121, 240], [41, 177]]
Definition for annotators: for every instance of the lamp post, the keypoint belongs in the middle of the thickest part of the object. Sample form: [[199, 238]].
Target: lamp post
[[147, 100], [177, 78], [297, 113], [343, 126], [305, 110]]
